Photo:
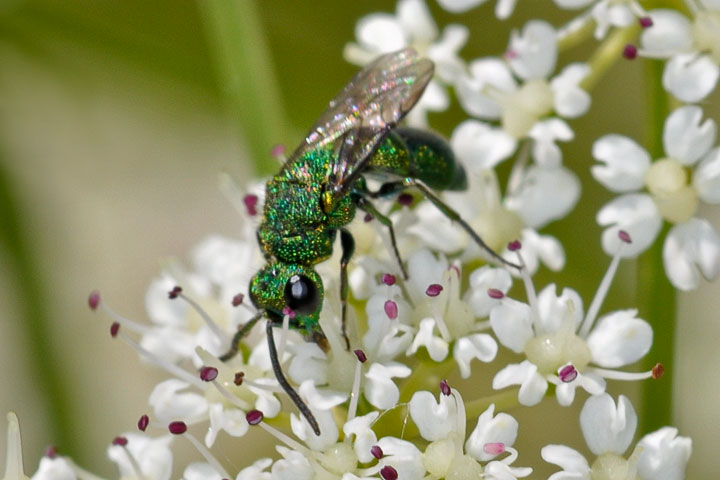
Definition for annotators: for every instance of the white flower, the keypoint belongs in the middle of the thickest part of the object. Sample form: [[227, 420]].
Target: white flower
[[491, 90], [413, 26], [563, 345], [13, 459], [692, 246], [609, 429], [503, 8], [442, 423], [692, 47]]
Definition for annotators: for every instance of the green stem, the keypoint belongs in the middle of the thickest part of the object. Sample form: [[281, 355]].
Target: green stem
[[41, 358], [246, 76], [503, 401], [657, 300], [609, 52]]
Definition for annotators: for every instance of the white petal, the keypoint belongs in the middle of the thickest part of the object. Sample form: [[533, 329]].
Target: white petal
[[308, 363], [152, 455], [295, 466], [608, 428], [573, 4], [434, 419], [256, 471], [444, 53], [201, 471], [380, 390], [437, 348], [692, 248], [232, 420], [555, 312], [532, 385], [685, 138], [706, 177], [545, 134], [690, 76], [481, 280], [624, 163], [620, 339], [671, 33], [546, 194], [459, 6], [56, 468], [570, 99], [365, 438], [490, 428], [479, 146], [403, 456], [170, 404], [664, 455], [479, 345], [534, 51], [416, 20], [571, 461], [380, 33], [636, 214], [504, 8], [512, 324]]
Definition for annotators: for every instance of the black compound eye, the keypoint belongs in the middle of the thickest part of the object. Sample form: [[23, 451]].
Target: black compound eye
[[301, 295]]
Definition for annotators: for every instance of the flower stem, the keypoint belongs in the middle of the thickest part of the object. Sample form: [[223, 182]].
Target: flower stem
[[609, 52], [245, 76], [657, 300]]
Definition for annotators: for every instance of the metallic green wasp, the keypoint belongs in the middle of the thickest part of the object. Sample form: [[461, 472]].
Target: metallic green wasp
[[321, 185]]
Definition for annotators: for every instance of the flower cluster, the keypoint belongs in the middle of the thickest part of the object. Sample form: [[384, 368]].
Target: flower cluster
[[381, 408]]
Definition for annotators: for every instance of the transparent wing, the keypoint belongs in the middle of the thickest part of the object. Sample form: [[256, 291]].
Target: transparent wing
[[360, 117]]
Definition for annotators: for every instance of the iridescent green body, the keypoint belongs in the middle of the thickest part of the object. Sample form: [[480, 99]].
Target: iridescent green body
[[299, 228]]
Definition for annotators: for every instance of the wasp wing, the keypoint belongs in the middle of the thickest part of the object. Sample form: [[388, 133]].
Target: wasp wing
[[362, 115]]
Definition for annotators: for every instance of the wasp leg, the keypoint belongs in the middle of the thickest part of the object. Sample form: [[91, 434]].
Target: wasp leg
[[448, 211], [348, 248], [368, 207], [284, 383], [242, 331]]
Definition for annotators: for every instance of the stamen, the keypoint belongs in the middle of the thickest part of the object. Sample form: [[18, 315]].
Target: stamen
[[217, 331], [255, 417], [180, 428], [645, 22], [237, 300], [377, 452], [95, 301], [355, 394], [391, 309], [114, 329], [143, 423], [495, 293], [164, 364], [51, 451], [208, 374], [405, 199], [433, 290], [445, 388], [624, 376], [527, 283], [497, 448], [122, 442], [388, 473], [630, 52], [278, 151], [251, 200], [368, 218], [389, 279], [238, 380], [658, 371], [603, 288], [568, 373], [177, 428]]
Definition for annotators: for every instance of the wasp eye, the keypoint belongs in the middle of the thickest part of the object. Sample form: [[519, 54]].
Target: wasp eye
[[301, 294]]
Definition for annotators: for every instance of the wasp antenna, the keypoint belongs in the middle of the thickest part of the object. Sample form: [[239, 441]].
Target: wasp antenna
[[304, 409]]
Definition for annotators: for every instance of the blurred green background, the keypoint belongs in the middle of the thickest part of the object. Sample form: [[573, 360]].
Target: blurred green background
[[115, 120]]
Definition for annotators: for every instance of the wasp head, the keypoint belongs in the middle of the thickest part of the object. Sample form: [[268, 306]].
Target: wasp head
[[297, 290]]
